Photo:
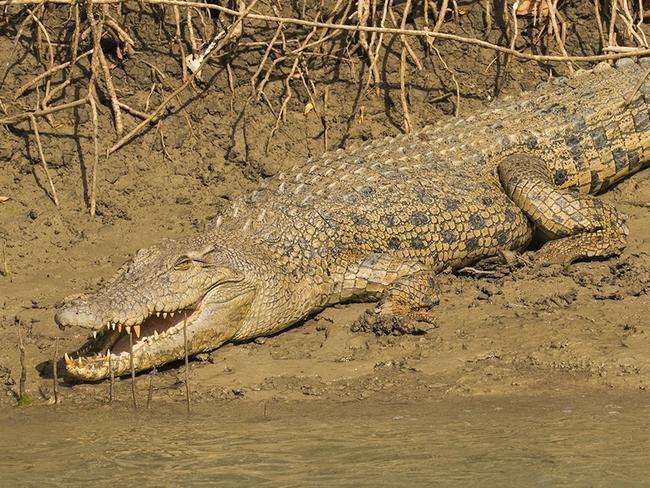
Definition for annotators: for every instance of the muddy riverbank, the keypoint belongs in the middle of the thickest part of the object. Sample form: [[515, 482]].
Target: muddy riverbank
[[507, 332]]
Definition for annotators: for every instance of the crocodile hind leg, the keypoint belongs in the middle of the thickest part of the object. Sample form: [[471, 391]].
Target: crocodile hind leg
[[404, 307], [579, 225]]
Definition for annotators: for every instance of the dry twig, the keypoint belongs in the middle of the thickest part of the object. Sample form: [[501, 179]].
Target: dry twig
[[285, 50], [235, 29], [49, 72], [4, 271], [23, 397], [135, 401], [99, 59], [187, 366], [152, 373], [55, 199], [55, 379], [93, 173], [552, 14], [111, 384]]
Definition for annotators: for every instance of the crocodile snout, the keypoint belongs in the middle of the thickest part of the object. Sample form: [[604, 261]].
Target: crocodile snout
[[72, 314]]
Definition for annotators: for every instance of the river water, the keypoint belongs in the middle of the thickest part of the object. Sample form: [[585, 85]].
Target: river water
[[592, 441]]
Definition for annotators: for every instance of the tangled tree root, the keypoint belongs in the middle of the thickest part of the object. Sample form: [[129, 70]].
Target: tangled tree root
[[286, 45]]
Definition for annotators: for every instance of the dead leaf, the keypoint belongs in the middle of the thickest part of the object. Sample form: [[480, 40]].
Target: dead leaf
[[308, 108], [360, 116], [532, 8], [3, 199]]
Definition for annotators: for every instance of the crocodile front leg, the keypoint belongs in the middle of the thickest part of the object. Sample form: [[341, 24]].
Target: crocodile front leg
[[579, 225], [405, 307]]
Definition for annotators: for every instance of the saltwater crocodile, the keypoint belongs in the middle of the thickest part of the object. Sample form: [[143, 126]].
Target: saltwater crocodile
[[377, 222]]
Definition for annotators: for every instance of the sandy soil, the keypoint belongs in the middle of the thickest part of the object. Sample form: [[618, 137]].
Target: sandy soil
[[502, 332]]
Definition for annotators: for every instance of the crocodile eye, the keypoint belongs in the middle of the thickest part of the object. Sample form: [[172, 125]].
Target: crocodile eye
[[183, 264]]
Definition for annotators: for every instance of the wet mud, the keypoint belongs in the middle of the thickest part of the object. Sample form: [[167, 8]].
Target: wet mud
[[499, 330]]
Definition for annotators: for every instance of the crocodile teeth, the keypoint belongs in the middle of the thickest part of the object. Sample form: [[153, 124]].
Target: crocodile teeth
[[94, 334], [136, 328], [68, 361], [164, 315], [155, 334], [171, 314], [119, 327], [157, 314], [128, 329]]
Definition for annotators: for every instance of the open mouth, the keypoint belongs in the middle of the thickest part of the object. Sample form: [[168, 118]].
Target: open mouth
[[113, 341]]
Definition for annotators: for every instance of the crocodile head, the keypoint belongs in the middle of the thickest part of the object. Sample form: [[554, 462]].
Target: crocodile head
[[177, 289]]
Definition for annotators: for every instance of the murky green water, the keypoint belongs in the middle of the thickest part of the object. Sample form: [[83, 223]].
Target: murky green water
[[600, 442]]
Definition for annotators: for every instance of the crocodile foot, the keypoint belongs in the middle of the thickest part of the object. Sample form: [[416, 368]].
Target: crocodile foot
[[579, 225], [378, 323]]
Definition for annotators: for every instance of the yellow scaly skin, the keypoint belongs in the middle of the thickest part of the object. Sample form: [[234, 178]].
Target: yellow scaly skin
[[379, 221]]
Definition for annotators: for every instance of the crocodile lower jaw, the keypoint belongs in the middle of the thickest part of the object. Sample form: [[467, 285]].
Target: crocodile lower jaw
[[109, 347]]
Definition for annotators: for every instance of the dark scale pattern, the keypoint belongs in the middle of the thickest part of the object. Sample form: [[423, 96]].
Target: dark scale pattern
[[599, 137], [433, 197]]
